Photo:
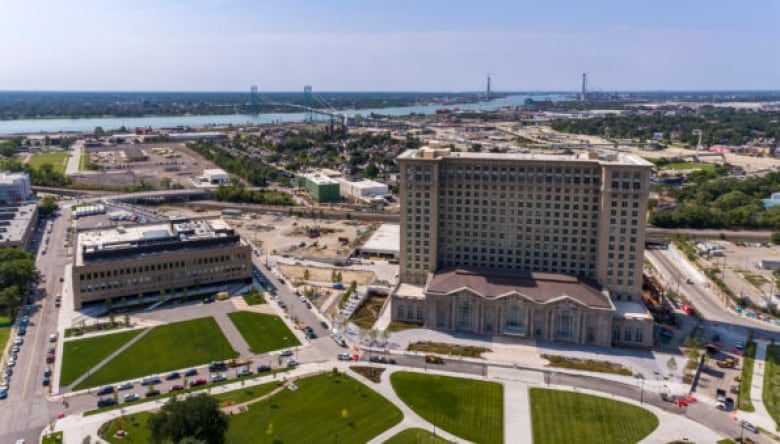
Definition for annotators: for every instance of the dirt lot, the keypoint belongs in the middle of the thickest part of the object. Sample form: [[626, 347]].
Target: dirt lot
[[322, 274], [171, 160]]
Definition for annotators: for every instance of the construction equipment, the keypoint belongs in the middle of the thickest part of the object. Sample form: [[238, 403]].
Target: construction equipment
[[729, 362]]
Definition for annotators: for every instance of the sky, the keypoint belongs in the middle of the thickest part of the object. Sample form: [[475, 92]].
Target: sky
[[389, 45]]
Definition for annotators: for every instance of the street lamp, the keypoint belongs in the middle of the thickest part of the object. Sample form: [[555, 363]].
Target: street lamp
[[641, 391]]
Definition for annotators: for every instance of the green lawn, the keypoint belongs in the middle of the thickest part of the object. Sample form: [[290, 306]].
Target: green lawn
[[81, 355], [324, 409], [263, 332], [746, 378], [134, 425], [247, 393], [565, 417], [416, 436], [772, 383], [52, 438], [5, 333], [470, 409], [57, 160], [254, 297], [167, 347]]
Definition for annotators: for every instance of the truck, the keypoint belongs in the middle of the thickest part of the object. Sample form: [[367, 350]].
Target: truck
[[222, 295], [233, 363], [720, 399], [729, 362]]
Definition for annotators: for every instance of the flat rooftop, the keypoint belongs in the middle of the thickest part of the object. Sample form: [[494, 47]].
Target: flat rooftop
[[541, 288], [631, 310], [410, 291], [122, 241], [14, 222], [435, 154], [320, 179], [386, 239]]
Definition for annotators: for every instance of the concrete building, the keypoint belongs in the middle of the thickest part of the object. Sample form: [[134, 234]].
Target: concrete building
[[321, 187], [559, 236], [363, 190], [17, 224], [121, 262], [216, 176], [383, 242], [14, 187]]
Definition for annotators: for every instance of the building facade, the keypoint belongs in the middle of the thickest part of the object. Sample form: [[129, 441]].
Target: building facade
[[580, 215], [17, 224], [127, 262], [14, 187], [321, 188]]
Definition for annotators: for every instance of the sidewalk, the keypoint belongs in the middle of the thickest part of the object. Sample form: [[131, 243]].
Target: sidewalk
[[761, 417]]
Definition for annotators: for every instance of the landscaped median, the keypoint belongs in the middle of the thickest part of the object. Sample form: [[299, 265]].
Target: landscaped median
[[166, 347], [468, 408], [746, 378], [772, 383], [587, 364], [566, 417]]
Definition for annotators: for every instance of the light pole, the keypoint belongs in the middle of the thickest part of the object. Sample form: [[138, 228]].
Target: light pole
[[641, 391]]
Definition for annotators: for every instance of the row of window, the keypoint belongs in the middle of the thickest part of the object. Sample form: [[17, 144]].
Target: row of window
[[638, 334], [223, 272], [155, 267]]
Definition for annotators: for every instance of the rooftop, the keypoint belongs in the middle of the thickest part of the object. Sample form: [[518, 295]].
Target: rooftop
[[120, 241], [541, 288], [320, 179], [386, 239], [7, 177], [14, 221], [631, 310], [602, 159]]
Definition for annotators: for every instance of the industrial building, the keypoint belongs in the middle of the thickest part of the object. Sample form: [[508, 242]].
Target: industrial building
[[383, 243], [125, 262], [216, 176], [14, 187], [533, 245], [363, 190], [321, 187], [17, 224]]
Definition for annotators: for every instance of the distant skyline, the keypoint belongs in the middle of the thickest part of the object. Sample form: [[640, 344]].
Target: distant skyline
[[399, 45]]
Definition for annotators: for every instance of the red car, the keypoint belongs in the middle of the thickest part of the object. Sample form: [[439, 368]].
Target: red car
[[197, 382], [178, 387]]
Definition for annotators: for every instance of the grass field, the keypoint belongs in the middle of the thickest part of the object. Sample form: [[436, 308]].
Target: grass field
[[324, 409], [416, 436], [263, 332], [254, 297], [587, 364], [247, 393], [167, 347], [57, 160], [52, 438], [689, 166], [746, 378], [83, 354], [470, 409], [5, 333], [470, 351], [772, 383], [134, 425], [566, 417]]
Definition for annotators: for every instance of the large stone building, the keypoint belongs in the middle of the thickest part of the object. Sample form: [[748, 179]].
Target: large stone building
[[535, 245], [119, 262]]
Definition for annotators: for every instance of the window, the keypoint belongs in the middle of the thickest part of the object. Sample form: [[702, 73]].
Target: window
[[514, 320], [565, 324], [627, 335], [401, 311], [639, 335], [419, 314], [465, 320]]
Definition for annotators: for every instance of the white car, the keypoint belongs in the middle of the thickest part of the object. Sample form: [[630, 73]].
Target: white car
[[53, 337], [132, 397], [345, 357], [124, 386], [19, 340]]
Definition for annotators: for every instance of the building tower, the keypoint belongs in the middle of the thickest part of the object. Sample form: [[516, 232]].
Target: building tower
[[583, 94], [254, 103], [487, 91]]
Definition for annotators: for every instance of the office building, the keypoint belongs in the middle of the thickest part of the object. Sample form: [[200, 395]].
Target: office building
[[17, 224], [119, 262], [363, 190], [14, 187], [537, 245], [321, 187]]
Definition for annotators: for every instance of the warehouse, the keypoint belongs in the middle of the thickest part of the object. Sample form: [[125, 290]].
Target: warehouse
[[178, 255], [363, 190], [216, 176]]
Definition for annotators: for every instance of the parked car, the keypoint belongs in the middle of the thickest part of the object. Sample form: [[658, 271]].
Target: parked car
[[45, 381], [105, 402], [47, 372], [177, 387], [292, 363], [172, 375], [263, 368], [132, 397], [433, 359], [740, 345], [153, 392], [3, 393], [124, 386], [191, 372], [149, 380], [197, 382], [218, 377], [243, 372], [217, 366], [53, 337], [344, 357], [106, 390], [285, 353], [19, 340]]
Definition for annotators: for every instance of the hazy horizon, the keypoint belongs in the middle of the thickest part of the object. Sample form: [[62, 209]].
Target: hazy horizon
[[400, 46]]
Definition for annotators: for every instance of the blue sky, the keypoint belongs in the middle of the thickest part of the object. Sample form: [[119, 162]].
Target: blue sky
[[388, 45]]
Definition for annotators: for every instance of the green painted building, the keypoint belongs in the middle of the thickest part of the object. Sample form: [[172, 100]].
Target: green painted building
[[321, 188]]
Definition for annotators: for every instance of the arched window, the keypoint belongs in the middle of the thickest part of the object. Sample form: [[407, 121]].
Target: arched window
[[565, 324], [465, 320], [514, 320], [410, 312]]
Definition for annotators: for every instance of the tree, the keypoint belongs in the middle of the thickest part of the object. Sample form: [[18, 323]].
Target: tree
[[372, 170], [775, 237], [197, 417], [165, 182], [306, 274]]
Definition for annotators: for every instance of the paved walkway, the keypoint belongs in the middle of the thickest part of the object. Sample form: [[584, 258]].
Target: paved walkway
[[517, 413], [75, 159], [232, 334], [760, 417], [107, 359]]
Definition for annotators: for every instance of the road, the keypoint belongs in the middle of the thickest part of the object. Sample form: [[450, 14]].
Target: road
[[27, 410]]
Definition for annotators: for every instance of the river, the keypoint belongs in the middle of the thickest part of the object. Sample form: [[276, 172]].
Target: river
[[28, 126]]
